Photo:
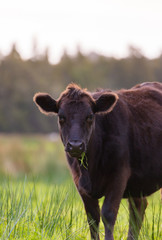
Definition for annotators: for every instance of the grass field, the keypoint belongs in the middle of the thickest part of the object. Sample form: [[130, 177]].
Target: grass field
[[39, 201]]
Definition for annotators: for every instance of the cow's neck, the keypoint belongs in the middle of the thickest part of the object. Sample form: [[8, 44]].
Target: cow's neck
[[94, 150]]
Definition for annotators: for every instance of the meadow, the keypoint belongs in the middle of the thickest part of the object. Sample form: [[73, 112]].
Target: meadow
[[38, 199]]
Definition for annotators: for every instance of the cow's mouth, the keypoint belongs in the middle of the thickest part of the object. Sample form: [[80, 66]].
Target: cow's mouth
[[75, 154]]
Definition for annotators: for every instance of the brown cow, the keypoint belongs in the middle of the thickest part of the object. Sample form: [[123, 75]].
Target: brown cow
[[113, 144]]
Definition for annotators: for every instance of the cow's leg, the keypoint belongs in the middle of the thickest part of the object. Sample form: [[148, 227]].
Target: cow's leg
[[93, 215], [137, 208], [109, 212], [111, 203], [91, 205], [161, 194]]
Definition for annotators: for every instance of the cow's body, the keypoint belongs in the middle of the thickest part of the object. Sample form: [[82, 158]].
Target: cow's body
[[122, 146]]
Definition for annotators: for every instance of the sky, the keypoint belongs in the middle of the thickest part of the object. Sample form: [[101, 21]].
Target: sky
[[106, 27]]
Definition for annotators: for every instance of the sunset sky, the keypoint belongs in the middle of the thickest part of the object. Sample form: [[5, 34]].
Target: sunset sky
[[104, 26]]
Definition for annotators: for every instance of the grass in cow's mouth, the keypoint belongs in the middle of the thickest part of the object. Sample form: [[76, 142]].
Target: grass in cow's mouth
[[83, 160]]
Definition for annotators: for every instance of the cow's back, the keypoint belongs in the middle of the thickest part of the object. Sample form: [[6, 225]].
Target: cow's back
[[156, 85]]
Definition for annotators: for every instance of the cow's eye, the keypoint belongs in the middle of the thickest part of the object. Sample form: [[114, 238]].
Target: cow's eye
[[90, 118], [61, 119]]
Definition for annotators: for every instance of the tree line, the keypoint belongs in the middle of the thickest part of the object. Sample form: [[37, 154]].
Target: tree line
[[20, 79]]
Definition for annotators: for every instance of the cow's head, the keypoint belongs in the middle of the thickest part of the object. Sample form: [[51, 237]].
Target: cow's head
[[76, 109]]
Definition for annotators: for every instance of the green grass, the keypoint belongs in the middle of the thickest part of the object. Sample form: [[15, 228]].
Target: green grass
[[33, 210], [38, 199], [36, 210]]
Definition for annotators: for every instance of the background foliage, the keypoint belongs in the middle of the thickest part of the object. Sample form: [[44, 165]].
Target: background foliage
[[20, 79]]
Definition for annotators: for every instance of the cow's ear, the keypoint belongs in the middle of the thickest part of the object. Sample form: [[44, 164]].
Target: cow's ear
[[45, 103], [106, 102]]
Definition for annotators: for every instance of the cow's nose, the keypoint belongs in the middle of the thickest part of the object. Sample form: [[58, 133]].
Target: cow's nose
[[75, 148]]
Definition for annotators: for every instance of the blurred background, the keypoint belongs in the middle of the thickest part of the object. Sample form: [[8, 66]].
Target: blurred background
[[46, 44]]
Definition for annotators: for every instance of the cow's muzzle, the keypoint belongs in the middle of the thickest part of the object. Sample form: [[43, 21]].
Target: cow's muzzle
[[75, 148]]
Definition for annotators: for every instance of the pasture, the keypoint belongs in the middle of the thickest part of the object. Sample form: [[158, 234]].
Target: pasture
[[39, 201]]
